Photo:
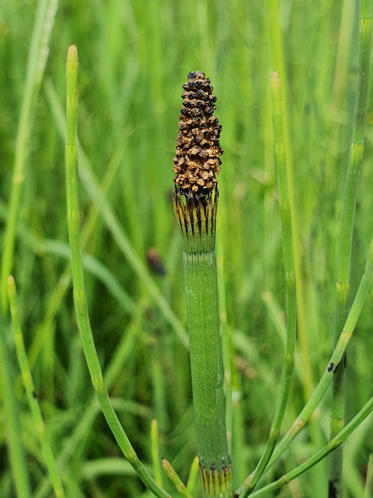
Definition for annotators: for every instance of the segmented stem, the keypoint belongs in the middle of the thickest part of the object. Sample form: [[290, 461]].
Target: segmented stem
[[335, 359], [333, 444], [345, 236], [197, 223]]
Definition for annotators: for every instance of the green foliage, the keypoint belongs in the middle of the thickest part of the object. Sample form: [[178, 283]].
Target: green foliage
[[134, 57]]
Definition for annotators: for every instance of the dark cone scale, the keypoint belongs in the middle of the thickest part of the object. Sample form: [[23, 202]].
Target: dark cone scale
[[198, 151]]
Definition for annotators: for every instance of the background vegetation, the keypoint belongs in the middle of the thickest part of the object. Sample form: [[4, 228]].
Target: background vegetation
[[134, 57]]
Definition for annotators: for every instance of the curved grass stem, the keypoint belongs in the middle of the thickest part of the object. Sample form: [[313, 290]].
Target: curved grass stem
[[80, 302], [333, 444], [335, 359]]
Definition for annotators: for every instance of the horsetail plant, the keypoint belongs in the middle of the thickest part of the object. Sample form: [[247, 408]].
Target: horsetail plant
[[80, 302], [345, 235], [196, 165]]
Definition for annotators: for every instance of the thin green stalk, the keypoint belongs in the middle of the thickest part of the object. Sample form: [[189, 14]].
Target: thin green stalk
[[174, 478], [12, 423], [291, 304], [278, 63], [81, 308], [368, 490], [334, 443], [37, 57], [30, 392], [335, 359], [193, 472], [345, 236], [154, 439]]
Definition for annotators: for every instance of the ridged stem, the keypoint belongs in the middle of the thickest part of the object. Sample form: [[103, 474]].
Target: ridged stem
[[335, 359], [80, 302], [197, 221], [333, 444], [345, 237]]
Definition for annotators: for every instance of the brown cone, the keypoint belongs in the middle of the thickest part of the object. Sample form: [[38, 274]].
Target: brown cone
[[198, 151]]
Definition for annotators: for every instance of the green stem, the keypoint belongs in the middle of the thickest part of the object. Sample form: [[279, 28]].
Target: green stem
[[335, 359], [291, 305], [192, 475], [345, 237], [197, 221], [81, 308], [174, 478], [154, 439], [35, 69], [334, 443], [12, 422], [278, 63], [30, 392]]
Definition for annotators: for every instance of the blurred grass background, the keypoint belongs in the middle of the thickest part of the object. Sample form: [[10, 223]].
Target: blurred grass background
[[134, 57]]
